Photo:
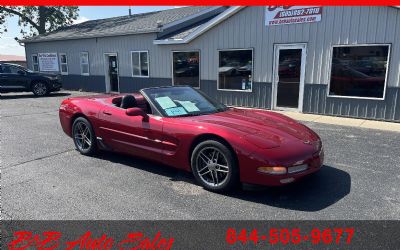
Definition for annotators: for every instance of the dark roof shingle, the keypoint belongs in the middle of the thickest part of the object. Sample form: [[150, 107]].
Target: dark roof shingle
[[138, 23]]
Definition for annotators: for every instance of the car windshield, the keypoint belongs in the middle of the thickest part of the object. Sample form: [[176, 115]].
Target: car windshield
[[24, 69], [28, 70], [182, 101]]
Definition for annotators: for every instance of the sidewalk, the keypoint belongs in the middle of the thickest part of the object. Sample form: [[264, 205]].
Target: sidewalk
[[343, 121]]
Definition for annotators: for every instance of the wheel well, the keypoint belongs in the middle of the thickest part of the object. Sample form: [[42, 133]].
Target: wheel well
[[205, 137], [75, 116]]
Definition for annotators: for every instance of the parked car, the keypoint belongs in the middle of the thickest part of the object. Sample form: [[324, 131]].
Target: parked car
[[183, 128], [186, 69], [15, 78], [230, 69]]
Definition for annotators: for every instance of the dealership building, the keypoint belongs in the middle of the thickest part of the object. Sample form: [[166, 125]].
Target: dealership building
[[342, 61]]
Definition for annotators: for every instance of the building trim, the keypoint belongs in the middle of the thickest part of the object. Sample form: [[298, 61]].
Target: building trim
[[148, 63], [61, 63], [191, 20], [91, 36], [164, 28], [275, 74], [33, 62], [204, 28], [88, 63], [107, 79]]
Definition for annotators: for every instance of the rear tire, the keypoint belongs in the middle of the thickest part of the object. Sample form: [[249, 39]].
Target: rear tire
[[83, 136], [40, 89], [214, 166]]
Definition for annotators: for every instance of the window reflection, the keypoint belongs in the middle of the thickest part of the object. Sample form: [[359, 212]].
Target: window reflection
[[235, 69], [186, 68], [359, 71]]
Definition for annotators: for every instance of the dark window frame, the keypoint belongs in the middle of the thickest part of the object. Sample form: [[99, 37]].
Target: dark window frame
[[172, 65], [389, 45], [252, 69]]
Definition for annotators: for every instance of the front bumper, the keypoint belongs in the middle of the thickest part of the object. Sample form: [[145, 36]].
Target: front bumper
[[313, 162], [55, 85]]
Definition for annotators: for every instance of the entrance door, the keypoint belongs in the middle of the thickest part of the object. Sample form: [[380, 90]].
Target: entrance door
[[288, 84], [112, 80]]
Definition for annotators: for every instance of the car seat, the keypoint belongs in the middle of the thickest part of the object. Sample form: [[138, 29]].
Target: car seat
[[128, 101]]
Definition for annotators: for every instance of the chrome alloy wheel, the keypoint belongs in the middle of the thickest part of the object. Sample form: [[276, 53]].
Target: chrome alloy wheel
[[40, 88], [212, 166], [82, 136]]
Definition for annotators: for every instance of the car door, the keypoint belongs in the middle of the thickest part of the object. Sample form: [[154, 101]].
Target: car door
[[130, 134], [13, 78], [3, 79], [6, 81]]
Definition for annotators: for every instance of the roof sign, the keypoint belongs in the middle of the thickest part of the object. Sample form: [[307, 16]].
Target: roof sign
[[279, 15]]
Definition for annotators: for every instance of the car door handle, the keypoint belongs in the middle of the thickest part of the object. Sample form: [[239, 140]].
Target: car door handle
[[107, 112]]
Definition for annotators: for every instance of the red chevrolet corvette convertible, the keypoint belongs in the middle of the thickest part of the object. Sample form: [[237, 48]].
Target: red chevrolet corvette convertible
[[184, 128]]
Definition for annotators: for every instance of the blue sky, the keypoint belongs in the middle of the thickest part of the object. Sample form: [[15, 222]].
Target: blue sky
[[8, 46]]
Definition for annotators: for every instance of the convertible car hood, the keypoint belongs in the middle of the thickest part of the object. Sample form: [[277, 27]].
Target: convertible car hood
[[261, 125]]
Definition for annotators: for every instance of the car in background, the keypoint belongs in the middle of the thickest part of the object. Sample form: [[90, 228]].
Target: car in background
[[186, 129], [15, 78], [347, 81]]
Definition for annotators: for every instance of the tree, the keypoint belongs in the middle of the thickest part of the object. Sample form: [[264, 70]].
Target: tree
[[36, 20]]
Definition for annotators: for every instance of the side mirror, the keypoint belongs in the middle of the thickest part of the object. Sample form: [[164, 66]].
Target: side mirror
[[21, 72], [137, 112]]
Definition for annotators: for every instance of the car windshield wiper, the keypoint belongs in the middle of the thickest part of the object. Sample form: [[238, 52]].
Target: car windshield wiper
[[185, 115], [222, 109]]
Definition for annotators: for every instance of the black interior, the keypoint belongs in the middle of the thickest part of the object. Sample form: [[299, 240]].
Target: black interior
[[128, 101]]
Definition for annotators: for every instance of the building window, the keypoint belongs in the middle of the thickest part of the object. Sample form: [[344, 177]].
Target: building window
[[35, 63], [140, 63], [186, 68], [64, 64], [84, 63], [359, 71], [235, 69]]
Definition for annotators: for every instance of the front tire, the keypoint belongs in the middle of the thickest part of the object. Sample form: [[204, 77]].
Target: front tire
[[40, 89], [83, 136], [214, 166]]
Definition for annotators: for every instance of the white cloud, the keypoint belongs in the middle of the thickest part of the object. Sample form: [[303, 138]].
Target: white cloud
[[81, 19], [9, 46]]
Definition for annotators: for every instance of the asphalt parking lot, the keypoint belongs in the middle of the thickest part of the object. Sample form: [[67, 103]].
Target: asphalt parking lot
[[44, 177]]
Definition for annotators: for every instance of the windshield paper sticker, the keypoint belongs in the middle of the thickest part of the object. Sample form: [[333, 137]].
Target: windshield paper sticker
[[175, 111], [165, 102], [189, 106]]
